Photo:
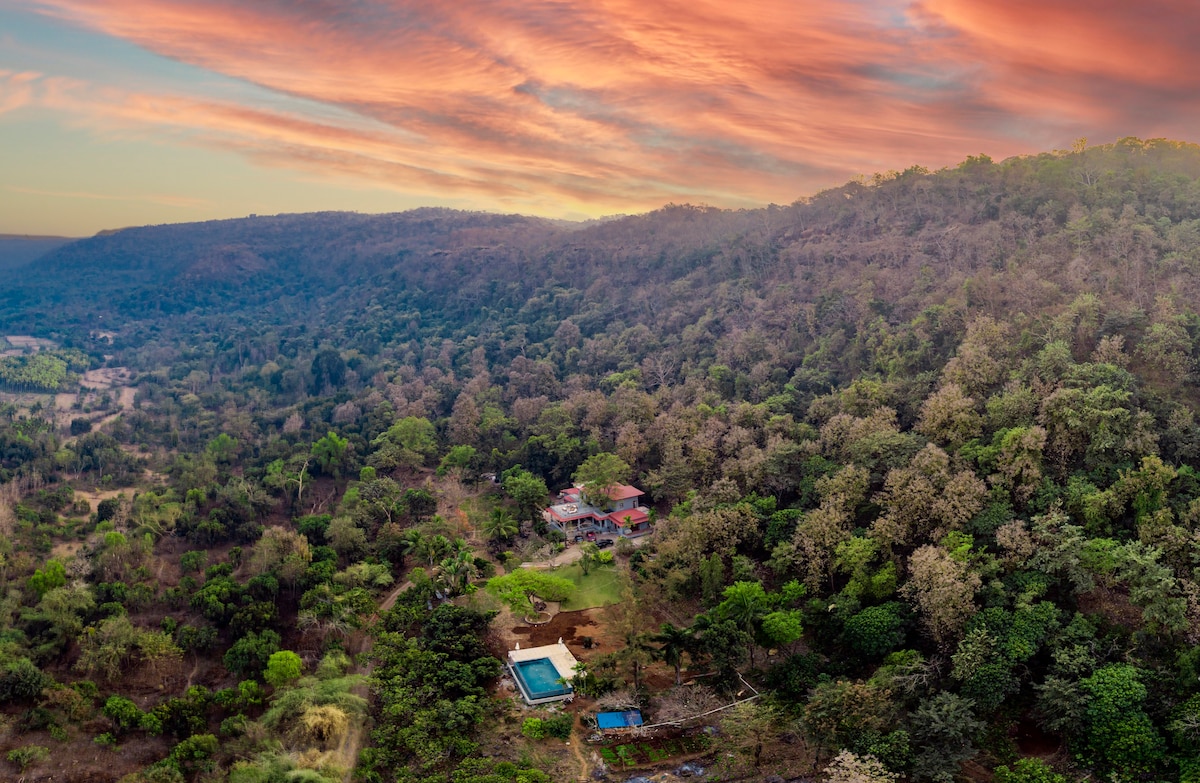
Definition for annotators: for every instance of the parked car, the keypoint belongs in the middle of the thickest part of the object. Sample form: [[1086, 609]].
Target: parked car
[[604, 543], [591, 536], [579, 539]]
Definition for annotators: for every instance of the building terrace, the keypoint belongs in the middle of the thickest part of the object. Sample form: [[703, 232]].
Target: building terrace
[[577, 514]]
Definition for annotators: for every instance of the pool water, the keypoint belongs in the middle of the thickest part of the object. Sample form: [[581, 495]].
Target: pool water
[[540, 679]]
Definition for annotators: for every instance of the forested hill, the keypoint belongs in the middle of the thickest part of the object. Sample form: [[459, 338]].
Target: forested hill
[[17, 251], [749, 289], [918, 456]]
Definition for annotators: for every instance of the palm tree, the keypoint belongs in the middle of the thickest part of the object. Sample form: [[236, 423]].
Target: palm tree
[[410, 541], [674, 641], [458, 570], [500, 526]]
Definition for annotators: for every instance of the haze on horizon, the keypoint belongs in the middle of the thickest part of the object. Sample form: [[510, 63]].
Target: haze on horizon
[[124, 112]]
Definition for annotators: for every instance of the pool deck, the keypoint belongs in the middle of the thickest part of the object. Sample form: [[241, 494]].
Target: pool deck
[[561, 658]]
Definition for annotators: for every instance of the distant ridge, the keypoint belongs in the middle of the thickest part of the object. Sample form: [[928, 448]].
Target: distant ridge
[[18, 250]]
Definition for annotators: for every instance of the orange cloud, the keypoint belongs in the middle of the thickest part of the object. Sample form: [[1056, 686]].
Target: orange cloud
[[624, 104]]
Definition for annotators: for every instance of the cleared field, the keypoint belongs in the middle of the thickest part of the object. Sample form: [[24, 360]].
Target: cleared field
[[601, 587]]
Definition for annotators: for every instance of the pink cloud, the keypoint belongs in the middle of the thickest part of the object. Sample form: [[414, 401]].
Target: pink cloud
[[627, 103]]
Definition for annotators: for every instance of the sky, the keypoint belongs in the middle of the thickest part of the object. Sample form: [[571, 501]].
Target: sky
[[132, 112]]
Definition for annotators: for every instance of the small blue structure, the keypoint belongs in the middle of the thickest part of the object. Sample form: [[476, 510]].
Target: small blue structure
[[615, 721]]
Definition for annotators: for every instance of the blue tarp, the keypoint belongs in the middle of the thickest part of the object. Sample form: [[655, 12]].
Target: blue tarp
[[618, 720]]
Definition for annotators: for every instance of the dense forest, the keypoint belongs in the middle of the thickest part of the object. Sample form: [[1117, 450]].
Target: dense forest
[[919, 452]]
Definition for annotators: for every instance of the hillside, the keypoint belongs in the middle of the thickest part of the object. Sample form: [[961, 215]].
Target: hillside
[[18, 251], [916, 456]]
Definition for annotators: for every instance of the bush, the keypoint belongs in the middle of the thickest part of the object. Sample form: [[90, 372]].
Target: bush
[[22, 681], [534, 728], [123, 713], [559, 726], [283, 667], [28, 755]]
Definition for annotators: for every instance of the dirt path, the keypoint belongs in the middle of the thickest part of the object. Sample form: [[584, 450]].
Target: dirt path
[[585, 768], [351, 744], [390, 601], [192, 674]]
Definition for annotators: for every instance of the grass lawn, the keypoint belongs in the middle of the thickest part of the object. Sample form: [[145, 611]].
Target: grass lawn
[[602, 587]]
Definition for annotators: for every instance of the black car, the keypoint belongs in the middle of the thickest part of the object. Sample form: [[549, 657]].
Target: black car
[[604, 543]]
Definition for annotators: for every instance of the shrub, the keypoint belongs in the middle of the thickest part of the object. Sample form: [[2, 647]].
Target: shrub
[[534, 728], [30, 754]]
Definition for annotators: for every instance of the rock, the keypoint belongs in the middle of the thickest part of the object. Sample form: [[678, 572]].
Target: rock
[[690, 770], [773, 779]]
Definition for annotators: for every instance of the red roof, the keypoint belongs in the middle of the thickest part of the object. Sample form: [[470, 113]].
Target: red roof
[[623, 492], [631, 517]]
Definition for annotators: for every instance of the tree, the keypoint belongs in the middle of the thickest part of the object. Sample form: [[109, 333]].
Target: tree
[[330, 453], [409, 443], [123, 713], [458, 459], [944, 727], [1119, 734], [457, 570], [944, 590], [251, 654], [848, 767], [28, 755], [283, 667], [107, 648], [222, 449], [53, 575], [527, 490], [589, 556], [876, 630], [839, 713], [516, 588], [749, 727], [674, 642], [1028, 770], [599, 475], [346, 537], [499, 526]]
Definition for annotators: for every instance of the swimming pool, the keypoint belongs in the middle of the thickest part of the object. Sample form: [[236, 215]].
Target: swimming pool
[[539, 679]]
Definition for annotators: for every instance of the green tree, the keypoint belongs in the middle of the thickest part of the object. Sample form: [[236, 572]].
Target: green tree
[[251, 654], [673, 643], [28, 755], [528, 491], [944, 728], [1118, 733], [283, 667], [599, 475], [499, 526], [516, 588], [45, 579], [877, 630], [1028, 770], [409, 443], [123, 713], [330, 453], [749, 728]]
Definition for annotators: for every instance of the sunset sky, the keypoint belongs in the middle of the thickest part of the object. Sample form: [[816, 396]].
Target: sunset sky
[[124, 112]]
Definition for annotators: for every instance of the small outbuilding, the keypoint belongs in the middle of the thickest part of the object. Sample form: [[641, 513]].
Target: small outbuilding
[[618, 721]]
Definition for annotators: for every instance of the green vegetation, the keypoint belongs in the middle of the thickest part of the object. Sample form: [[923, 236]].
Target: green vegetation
[[601, 587], [920, 455], [42, 371]]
